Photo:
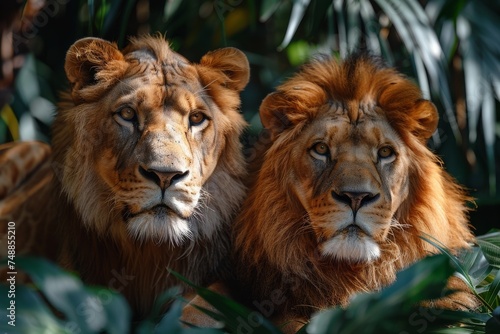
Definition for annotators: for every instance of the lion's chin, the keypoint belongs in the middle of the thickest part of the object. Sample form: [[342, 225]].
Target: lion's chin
[[351, 247], [160, 225]]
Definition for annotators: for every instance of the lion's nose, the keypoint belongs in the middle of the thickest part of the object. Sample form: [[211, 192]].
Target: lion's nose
[[164, 178], [355, 199]]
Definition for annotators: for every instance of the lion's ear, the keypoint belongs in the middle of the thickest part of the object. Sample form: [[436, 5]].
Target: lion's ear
[[426, 115], [279, 112], [233, 63], [90, 61]]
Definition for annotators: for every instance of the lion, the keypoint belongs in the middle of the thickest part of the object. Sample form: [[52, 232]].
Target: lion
[[147, 168], [343, 190]]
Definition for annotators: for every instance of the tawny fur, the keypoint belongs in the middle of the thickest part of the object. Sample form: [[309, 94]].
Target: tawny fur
[[280, 269], [80, 217]]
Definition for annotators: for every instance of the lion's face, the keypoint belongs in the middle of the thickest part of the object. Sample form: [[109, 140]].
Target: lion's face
[[155, 137], [351, 178], [163, 146], [348, 152]]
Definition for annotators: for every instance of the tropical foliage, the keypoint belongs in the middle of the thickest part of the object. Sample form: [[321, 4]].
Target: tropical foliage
[[59, 302]]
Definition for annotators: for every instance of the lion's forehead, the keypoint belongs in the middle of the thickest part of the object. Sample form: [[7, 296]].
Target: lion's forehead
[[339, 128], [151, 91]]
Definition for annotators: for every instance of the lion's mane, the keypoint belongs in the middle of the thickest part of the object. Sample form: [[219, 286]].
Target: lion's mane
[[278, 265]]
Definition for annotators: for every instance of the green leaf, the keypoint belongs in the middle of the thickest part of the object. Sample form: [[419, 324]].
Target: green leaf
[[170, 323], [459, 267], [129, 5], [268, 8], [298, 52], [32, 314], [171, 7], [91, 9], [493, 294], [392, 309], [353, 26], [319, 10], [298, 10], [90, 310], [111, 14], [488, 118], [338, 6], [490, 245], [475, 264], [374, 41], [236, 317], [419, 36]]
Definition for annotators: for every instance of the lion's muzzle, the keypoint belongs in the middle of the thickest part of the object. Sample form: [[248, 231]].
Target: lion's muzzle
[[162, 176]]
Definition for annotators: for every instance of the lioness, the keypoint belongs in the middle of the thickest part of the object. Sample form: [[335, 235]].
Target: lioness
[[146, 168]]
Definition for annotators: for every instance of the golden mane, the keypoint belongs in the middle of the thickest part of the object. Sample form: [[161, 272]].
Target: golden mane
[[276, 250]]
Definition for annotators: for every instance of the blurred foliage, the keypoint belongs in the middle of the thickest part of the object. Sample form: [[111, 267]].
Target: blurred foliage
[[58, 302], [450, 47]]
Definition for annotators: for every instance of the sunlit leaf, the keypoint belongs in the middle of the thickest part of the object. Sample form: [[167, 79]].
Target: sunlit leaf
[[267, 9], [370, 21], [409, 17], [490, 245], [472, 72], [298, 10]]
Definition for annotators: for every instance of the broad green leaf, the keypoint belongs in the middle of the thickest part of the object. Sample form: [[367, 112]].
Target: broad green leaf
[[490, 245], [87, 310], [392, 309], [493, 294], [459, 267], [475, 264], [31, 313]]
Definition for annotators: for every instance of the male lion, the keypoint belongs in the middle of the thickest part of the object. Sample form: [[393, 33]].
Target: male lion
[[147, 169], [344, 190]]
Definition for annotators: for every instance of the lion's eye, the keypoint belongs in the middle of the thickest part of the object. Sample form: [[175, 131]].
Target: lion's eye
[[197, 118], [385, 152], [127, 114], [321, 149]]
